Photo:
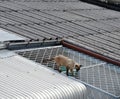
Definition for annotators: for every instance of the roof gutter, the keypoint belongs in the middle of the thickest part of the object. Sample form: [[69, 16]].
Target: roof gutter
[[79, 48]]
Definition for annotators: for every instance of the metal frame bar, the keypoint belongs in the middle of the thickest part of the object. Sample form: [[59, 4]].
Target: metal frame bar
[[35, 44]]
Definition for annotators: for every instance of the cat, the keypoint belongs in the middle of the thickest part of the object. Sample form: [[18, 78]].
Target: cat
[[62, 60]]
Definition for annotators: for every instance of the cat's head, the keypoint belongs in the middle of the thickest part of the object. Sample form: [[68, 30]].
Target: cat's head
[[77, 66]]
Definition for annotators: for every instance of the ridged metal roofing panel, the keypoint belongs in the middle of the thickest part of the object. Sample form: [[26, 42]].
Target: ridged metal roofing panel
[[24, 79]]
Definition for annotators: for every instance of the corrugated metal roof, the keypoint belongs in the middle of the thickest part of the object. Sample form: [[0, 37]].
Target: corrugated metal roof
[[87, 25], [8, 36], [22, 79], [91, 26]]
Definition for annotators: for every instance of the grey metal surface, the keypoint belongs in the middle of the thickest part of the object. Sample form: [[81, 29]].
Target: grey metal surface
[[101, 78], [91, 26], [6, 53], [8, 36], [21, 78]]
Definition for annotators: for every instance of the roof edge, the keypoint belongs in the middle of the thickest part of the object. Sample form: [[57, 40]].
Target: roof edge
[[35, 44]]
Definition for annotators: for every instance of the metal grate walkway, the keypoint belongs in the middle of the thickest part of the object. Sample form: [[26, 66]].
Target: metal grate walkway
[[95, 73]]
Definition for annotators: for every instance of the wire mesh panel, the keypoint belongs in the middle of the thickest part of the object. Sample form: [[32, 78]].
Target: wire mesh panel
[[102, 79], [103, 76]]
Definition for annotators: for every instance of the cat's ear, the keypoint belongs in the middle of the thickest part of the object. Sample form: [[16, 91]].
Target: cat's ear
[[77, 66], [81, 66]]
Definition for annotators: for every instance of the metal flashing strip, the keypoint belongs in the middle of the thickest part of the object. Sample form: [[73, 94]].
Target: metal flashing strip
[[35, 44], [91, 66], [39, 48]]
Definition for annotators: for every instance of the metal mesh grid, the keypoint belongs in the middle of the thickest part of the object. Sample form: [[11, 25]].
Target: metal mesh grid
[[94, 71]]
